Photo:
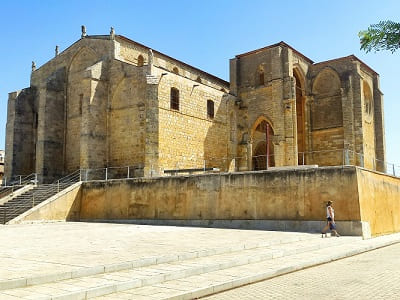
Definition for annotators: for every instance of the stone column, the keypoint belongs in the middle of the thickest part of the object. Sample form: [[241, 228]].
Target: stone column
[[151, 164], [94, 118], [250, 155], [347, 98], [380, 143], [20, 134], [307, 129], [50, 143]]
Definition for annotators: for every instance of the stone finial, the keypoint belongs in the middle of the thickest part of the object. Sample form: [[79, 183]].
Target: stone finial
[[33, 66], [57, 50], [83, 29], [112, 33]]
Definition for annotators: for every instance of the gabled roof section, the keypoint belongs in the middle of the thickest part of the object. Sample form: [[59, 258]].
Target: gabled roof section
[[281, 44], [350, 57], [221, 81]]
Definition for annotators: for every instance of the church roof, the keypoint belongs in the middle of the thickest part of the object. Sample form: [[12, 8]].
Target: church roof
[[350, 57], [221, 81], [273, 46]]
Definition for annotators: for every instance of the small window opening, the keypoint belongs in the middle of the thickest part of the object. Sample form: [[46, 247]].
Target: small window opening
[[210, 109], [198, 79], [174, 99], [36, 120], [140, 61], [175, 70], [80, 103], [261, 78]]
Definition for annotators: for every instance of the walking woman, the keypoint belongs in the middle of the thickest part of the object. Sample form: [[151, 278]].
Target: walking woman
[[330, 220]]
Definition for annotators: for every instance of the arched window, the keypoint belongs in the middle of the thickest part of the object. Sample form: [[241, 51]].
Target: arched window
[[175, 70], [367, 98], [174, 99], [326, 109], [210, 109], [198, 79], [140, 61]]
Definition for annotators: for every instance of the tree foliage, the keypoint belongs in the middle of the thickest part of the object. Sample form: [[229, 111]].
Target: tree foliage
[[382, 36]]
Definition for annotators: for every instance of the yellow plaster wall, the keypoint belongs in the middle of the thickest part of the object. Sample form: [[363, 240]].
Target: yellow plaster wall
[[291, 194], [274, 195], [379, 201]]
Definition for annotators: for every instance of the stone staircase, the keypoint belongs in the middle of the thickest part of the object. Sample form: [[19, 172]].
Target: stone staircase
[[25, 201], [184, 275]]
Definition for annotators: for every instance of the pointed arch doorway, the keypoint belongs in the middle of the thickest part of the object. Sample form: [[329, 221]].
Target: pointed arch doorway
[[263, 148]]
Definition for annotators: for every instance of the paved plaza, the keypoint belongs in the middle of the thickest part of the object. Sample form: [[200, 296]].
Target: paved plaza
[[107, 261], [371, 275], [38, 249]]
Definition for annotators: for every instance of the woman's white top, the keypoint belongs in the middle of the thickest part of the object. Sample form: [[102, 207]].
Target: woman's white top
[[332, 215]]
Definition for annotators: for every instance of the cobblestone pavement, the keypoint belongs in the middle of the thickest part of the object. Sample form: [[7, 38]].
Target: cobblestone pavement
[[371, 275]]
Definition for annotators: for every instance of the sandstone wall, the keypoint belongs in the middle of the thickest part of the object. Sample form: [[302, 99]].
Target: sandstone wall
[[71, 88], [20, 134], [188, 136], [127, 116], [271, 98]]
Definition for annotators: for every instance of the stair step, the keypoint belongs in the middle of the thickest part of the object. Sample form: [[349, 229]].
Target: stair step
[[162, 270], [21, 203], [153, 260]]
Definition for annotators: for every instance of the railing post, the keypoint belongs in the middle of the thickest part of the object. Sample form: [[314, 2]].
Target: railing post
[[346, 156], [128, 172], [86, 174], [394, 172], [303, 158], [106, 174], [80, 174], [36, 180], [204, 165], [20, 179]]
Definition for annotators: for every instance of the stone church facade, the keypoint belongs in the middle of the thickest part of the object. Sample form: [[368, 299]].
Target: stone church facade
[[107, 101]]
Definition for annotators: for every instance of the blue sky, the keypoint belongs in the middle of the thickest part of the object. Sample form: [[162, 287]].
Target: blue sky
[[205, 34]]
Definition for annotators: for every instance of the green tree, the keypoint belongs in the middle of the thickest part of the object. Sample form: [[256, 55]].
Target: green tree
[[382, 36]]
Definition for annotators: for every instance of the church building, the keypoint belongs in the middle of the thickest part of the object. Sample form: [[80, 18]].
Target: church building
[[108, 101]]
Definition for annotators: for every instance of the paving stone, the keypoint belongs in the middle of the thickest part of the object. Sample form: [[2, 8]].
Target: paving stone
[[371, 275]]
